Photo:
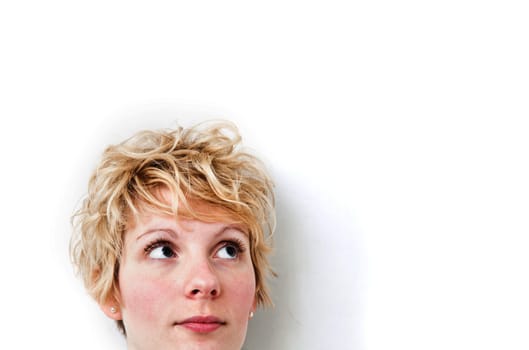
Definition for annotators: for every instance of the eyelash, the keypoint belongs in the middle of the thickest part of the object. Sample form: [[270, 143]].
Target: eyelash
[[235, 242], [158, 243]]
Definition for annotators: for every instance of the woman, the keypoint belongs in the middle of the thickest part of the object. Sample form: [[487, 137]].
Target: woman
[[173, 236]]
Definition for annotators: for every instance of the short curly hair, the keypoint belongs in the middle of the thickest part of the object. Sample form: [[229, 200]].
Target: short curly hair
[[205, 164]]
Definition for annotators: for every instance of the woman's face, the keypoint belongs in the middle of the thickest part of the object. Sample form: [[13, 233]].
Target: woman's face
[[185, 284]]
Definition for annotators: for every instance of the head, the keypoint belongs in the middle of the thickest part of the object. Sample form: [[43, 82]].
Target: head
[[173, 236]]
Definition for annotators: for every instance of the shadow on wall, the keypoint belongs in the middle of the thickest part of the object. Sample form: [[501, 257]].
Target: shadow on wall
[[318, 294], [266, 329]]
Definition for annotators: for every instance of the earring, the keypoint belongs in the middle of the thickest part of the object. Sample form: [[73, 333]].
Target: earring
[[251, 314], [113, 310]]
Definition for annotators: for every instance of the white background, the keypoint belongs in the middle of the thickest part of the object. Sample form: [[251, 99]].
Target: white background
[[396, 132]]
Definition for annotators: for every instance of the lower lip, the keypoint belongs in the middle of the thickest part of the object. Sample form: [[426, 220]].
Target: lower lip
[[201, 327]]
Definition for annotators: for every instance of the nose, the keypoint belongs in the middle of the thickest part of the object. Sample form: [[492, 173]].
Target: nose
[[202, 282]]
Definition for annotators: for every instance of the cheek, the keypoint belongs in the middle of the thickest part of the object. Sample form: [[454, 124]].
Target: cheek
[[247, 292], [143, 295], [241, 289]]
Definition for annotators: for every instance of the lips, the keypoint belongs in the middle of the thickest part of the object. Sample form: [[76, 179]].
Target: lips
[[201, 324]]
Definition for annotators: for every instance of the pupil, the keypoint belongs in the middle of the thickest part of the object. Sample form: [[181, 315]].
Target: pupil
[[166, 251], [231, 250]]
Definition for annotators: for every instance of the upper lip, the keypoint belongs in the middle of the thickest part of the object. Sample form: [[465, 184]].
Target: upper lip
[[202, 319]]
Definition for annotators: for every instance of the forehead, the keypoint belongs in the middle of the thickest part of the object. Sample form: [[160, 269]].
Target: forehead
[[190, 213], [145, 224]]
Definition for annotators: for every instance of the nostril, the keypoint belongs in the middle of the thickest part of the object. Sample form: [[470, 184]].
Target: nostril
[[213, 292]]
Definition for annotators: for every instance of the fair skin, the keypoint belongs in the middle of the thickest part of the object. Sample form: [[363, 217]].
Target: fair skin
[[184, 284]]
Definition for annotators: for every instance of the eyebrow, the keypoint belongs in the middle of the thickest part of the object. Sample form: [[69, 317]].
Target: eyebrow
[[175, 233], [235, 226], [158, 229]]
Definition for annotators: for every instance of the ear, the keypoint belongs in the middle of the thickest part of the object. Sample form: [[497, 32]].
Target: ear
[[112, 309]]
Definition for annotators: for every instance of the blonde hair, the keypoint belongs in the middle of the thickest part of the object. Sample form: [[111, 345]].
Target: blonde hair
[[203, 163]]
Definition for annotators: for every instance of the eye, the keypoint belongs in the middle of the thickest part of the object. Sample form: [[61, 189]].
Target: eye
[[160, 250], [230, 250]]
